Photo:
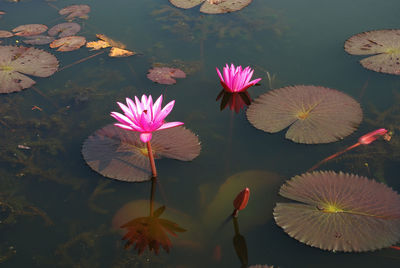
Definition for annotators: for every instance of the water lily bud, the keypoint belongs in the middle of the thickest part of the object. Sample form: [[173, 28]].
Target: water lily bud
[[242, 199]]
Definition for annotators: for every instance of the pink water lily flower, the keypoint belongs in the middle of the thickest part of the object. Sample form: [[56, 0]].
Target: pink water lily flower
[[237, 79], [144, 116]]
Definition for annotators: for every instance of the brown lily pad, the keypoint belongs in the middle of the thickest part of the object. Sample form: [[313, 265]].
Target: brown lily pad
[[313, 114], [17, 61], [29, 29], [120, 154], [164, 75], [68, 43], [5, 34], [75, 11], [383, 44], [339, 212], [64, 29], [38, 40], [213, 6]]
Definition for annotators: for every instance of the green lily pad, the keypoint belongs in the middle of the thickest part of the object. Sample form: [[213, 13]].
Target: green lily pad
[[339, 212], [383, 44], [120, 154], [314, 114]]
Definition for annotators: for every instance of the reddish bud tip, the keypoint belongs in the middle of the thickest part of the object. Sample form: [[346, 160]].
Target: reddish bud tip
[[370, 137], [241, 199]]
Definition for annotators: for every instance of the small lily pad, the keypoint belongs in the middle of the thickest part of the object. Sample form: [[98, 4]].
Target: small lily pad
[[17, 61], [75, 11], [120, 154], [313, 114], [213, 6], [164, 75], [64, 29], [383, 44], [5, 34], [29, 29], [68, 43], [339, 212]]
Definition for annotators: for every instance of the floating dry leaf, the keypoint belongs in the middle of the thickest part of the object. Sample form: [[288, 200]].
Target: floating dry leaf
[[120, 154], [96, 45], [213, 6], [29, 29], [383, 44], [110, 41], [119, 52], [64, 29], [38, 40], [5, 34], [68, 43], [313, 114], [17, 61], [75, 11], [339, 212], [164, 75]]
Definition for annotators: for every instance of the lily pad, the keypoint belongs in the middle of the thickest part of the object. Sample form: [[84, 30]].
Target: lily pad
[[313, 114], [68, 43], [64, 29], [5, 34], [120, 154], [29, 29], [383, 44], [17, 61], [75, 11], [339, 212], [164, 75], [213, 6], [38, 40]]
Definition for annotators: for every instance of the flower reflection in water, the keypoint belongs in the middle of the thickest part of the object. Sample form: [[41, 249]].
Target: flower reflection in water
[[151, 231]]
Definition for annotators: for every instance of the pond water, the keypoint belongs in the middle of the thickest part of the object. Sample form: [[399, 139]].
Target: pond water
[[57, 212]]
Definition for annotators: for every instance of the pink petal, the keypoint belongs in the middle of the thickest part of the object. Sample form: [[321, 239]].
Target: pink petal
[[139, 107], [157, 106], [170, 124], [124, 126], [133, 108], [126, 121], [145, 137], [126, 110], [220, 75], [165, 111]]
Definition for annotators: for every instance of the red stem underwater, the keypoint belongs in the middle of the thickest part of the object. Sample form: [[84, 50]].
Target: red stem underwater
[[333, 156]]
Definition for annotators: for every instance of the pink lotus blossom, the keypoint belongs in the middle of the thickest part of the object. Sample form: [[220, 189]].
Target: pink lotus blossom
[[144, 117], [237, 79]]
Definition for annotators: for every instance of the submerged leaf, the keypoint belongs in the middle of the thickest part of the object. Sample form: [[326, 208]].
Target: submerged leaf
[[339, 212], [17, 61], [164, 75], [120, 154], [313, 114], [38, 40], [64, 29]]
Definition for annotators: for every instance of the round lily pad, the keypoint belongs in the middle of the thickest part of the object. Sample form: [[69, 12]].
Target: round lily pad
[[75, 11], [339, 212], [17, 61], [313, 114], [120, 154], [29, 29], [68, 43], [164, 75], [383, 44], [64, 29], [38, 40], [213, 6]]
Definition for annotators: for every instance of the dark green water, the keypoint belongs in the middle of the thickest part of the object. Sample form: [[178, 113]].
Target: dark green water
[[52, 214]]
